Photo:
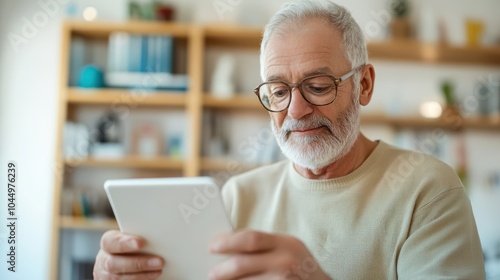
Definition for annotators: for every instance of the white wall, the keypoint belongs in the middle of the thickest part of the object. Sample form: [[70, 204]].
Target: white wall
[[28, 92], [28, 98]]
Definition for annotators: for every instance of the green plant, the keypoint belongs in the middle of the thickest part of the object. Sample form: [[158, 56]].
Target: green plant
[[400, 8], [447, 91]]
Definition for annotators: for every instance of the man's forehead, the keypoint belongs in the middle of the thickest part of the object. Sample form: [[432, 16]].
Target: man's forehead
[[308, 49], [285, 64], [275, 75]]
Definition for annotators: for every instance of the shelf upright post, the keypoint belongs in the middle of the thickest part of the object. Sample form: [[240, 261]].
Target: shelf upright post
[[194, 100], [58, 163]]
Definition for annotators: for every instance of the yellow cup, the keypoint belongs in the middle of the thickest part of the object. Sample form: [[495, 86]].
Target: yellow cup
[[474, 30]]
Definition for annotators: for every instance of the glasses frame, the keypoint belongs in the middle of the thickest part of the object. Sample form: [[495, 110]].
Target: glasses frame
[[298, 85]]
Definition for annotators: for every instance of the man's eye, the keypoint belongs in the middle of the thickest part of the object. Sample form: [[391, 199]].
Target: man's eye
[[318, 89], [280, 92]]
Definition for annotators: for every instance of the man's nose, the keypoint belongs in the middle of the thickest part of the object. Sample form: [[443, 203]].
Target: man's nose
[[299, 107]]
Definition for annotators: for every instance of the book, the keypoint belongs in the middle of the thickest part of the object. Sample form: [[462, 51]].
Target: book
[[165, 81], [139, 61]]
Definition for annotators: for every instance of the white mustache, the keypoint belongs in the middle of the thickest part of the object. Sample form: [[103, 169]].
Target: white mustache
[[313, 121]]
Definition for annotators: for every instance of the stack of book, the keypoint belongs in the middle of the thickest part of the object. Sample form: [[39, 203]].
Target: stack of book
[[138, 61]]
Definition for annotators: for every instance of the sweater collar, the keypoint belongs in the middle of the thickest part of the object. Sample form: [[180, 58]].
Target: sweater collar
[[305, 184]]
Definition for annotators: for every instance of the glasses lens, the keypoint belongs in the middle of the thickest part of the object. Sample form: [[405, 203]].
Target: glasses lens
[[274, 96], [319, 90]]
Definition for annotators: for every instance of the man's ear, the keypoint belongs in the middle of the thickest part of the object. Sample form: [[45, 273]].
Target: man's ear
[[367, 83]]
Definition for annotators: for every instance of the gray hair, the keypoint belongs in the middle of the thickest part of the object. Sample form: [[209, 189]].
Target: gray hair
[[353, 41]]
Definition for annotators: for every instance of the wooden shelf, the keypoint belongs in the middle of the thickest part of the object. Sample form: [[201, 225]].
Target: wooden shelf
[[233, 36], [70, 222], [409, 50], [228, 164], [129, 162], [125, 96], [238, 101], [482, 123], [102, 29], [419, 122]]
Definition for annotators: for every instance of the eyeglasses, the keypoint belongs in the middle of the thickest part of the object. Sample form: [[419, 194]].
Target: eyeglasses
[[318, 90]]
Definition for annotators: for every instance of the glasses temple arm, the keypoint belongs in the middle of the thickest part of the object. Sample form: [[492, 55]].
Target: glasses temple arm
[[350, 73]]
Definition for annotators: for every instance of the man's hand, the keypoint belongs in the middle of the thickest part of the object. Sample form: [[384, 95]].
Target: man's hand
[[119, 258], [258, 255]]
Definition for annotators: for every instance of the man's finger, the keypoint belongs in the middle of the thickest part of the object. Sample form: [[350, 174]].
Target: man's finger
[[135, 276], [247, 241], [115, 242], [239, 266], [120, 264]]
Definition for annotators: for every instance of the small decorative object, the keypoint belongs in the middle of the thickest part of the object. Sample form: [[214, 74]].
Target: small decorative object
[[147, 141], [484, 95], [150, 10], [109, 129], [451, 111], [442, 32], [400, 25], [474, 29], [488, 95], [218, 143], [222, 79], [91, 76], [164, 13], [71, 9], [175, 146], [76, 141], [96, 204], [86, 202], [144, 11], [134, 11], [107, 144]]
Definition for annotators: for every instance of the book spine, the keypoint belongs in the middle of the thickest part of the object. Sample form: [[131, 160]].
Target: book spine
[[151, 62], [144, 53], [160, 50], [135, 53], [122, 52], [169, 54], [111, 48]]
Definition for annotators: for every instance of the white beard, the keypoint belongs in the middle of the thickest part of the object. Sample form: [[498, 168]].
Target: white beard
[[319, 150]]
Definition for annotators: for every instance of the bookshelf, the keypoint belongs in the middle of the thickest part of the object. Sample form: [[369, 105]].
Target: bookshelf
[[419, 122], [78, 223], [193, 102], [72, 99], [238, 102], [410, 50], [76, 96], [130, 162]]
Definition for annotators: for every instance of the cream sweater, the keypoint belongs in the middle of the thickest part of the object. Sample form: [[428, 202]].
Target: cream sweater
[[400, 215]]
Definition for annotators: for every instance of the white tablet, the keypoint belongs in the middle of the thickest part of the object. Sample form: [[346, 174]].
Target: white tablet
[[178, 217]]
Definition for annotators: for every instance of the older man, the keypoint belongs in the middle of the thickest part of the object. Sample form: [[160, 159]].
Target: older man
[[341, 207]]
